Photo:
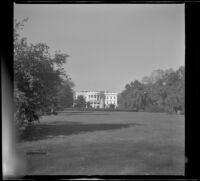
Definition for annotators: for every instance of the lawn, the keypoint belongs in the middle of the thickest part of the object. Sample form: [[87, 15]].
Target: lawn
[[105, 143]]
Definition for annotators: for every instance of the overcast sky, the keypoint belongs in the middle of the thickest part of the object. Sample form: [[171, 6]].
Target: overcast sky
[[109, 45]]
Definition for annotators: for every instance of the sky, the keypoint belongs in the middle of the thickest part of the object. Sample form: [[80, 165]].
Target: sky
[[109, 45]]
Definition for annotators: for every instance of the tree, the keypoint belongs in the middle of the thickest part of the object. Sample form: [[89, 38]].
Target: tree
[[37, 75], [134, 96], [88, 105], [80, 102], [65, 95]]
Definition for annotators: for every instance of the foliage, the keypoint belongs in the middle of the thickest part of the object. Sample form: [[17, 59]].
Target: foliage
[[161, 91], [111, 106], [21, 103], [37, 77], [88, 105], [135, 96], [65, 95], [80, 102]]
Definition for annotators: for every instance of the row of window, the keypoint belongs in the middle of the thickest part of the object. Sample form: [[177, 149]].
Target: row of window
[[98, 97], [107, 97], [107, 102], [94, 96]]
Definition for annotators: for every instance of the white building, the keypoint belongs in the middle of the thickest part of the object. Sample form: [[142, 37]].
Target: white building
[[99, 99]]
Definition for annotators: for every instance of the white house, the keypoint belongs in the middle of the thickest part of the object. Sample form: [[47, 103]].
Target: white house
[[99, 99]]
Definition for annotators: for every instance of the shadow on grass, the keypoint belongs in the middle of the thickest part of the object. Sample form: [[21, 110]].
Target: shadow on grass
[[84, 113], [44, 131]]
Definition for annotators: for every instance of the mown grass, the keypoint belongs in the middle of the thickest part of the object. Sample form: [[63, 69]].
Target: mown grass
[[104, 143]]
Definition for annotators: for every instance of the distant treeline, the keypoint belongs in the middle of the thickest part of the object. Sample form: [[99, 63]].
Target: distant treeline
[[162, 91]]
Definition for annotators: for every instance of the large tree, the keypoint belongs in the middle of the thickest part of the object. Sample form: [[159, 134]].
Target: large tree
[[37, 76]]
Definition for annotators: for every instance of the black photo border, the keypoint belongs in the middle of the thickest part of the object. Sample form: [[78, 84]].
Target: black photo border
[[192, 90]]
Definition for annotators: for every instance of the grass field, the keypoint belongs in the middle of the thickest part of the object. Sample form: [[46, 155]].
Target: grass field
[[105, 143]]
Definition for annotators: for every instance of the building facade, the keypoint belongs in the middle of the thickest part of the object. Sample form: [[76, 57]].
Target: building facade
[[99, 99]]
